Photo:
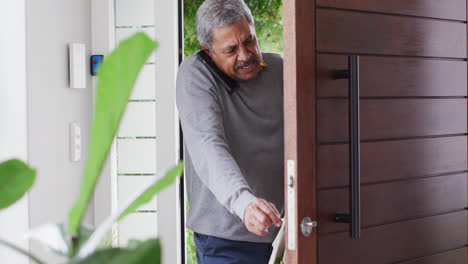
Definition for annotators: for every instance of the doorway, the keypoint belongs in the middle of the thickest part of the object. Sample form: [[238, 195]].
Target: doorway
[[400, 194]]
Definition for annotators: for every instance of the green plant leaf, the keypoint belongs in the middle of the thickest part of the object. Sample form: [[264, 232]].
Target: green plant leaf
[[154, 189], [147, 252], [21, 251], [15, 180], [132, 243], [142, 197], [117, 75], [52, 236], [84, 234]]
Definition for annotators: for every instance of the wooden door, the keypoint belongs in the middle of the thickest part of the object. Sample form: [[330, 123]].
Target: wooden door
[[413, 130]]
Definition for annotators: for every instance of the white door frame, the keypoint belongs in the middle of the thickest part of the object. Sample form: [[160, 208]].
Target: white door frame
[[167, 121], [167, 125]]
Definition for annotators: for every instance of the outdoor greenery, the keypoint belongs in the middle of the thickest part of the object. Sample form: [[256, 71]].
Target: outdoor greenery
[[268, 17], [80, 245], [191, 249]]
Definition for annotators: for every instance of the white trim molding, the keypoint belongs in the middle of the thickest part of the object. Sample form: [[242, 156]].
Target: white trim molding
[[13, 119], [167, 125]]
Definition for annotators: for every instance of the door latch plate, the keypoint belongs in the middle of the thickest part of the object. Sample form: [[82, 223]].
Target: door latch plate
[[291, 171]]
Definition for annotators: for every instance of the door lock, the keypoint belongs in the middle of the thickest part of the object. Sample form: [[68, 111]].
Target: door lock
[[306, 226]]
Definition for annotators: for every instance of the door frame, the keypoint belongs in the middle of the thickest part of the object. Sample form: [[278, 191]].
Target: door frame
[[166, 13], [299, 127]]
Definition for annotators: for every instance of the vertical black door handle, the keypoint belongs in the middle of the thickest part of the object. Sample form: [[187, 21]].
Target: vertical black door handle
[[354, 150]]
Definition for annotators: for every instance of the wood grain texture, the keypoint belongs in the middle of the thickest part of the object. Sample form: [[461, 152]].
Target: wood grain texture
[[349, 32], [393, 76], [365, 33], [383, 119], [453, 9], [395, 201], [393, 160], [396, 242], [300, 123], [458, 256]]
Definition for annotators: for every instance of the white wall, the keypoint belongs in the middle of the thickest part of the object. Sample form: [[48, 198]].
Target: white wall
[[36, 108], [103, 39], [13, 122], [51, 26]]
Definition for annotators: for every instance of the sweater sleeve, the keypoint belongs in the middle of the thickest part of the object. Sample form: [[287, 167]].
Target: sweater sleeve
[[202, 123]]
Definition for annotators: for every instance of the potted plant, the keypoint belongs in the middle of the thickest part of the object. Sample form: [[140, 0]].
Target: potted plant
[[79, 244]]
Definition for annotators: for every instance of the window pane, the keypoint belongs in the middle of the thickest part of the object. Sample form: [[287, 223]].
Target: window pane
[[133, 13], [139, 226], [139, 120], [123, 33], [136, 156], [145, 84], [129, 185]]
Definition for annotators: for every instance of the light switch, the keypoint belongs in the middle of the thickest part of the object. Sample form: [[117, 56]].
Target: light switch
[[77, 60], [75, 142]]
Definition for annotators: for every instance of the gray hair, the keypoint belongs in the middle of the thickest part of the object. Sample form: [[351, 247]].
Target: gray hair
[[219, 13]]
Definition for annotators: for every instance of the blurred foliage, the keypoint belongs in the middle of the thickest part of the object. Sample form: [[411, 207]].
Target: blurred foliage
[[117, 76], [268, 16], [16, 177], [191, 249]]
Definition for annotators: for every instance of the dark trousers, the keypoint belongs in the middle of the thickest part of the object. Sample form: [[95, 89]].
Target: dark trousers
[[214, 250]]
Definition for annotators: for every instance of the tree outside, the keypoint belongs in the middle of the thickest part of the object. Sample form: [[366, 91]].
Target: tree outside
[[268, 19]]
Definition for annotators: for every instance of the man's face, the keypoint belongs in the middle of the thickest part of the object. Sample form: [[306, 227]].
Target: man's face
[[235, 50]]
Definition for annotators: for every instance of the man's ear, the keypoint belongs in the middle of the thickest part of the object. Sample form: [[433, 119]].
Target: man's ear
[[207, 50]]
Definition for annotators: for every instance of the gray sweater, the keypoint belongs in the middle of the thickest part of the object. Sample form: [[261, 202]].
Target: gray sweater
[[233, 133]]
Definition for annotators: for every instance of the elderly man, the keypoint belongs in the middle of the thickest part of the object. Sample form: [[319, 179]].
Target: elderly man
[[229, 97]]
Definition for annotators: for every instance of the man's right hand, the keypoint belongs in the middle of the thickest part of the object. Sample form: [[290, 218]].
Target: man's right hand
[[259, 215]]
